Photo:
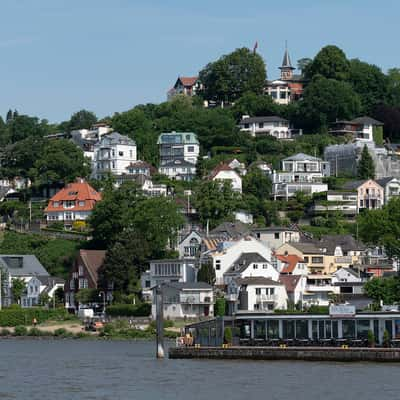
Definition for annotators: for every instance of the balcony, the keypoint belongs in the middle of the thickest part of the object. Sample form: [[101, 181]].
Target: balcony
[[261, 298], [319, 288], [195, 299], [344, 260]]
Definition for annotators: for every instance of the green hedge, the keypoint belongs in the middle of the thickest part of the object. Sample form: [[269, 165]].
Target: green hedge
[[129, 310], [24, 316]]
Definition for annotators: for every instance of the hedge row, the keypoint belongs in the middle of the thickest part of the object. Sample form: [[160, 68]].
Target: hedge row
[[25, 316], [129, 310]]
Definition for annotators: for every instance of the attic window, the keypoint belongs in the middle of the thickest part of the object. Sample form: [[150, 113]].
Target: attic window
[[72, 193]]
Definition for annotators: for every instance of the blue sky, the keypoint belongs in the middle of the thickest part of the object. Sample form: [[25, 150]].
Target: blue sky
[[59, 56]]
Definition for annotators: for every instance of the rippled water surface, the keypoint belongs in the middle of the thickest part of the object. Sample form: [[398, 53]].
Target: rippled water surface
[[78, 369]]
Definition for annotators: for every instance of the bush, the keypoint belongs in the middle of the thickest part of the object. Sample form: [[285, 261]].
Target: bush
[[371, 338], [5, 332], [35, 332], [61, 332], [20, 330], [220, 307], [129, 310], [14, 316], [228, 335]]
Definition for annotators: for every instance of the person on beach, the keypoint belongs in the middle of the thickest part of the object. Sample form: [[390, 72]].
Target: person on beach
[[34, 322]]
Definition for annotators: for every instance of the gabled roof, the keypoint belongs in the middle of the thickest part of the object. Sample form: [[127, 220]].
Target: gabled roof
[[187, 80], [219, 168], [301, 157], [290, 261], [244, 260], [346, 242], [290, 282], [365, 120], [306, 247], [22, 265], [356, 184], [77, 191], [257, 280], [93, 260], [271, 118], [231, 229], [384, 181]]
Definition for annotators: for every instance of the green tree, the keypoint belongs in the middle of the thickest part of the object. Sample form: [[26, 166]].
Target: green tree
[[206, 274], [382, 227], [18, 287], [394, 87], [366, 166], [22, 126], [255, 105], [369, 82], [82, 119], [326, 100], [215, 202], [234, 74], [255, 182], [331, 63], [87, 296], [303, 63], [44, 299], [383, 289], [60, 160], [124, 262]]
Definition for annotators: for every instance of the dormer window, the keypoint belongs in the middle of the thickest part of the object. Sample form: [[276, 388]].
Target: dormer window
[[69, 204], [81, 203], [56, 204]]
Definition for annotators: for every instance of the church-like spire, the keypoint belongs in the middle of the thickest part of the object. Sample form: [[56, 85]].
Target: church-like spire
[[286, 68]]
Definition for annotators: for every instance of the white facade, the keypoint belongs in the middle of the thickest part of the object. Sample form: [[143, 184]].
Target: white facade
[[243, 216], [261, 295], [272, 126], [186, 301], [232, 176], [113, 154], [345, 202], [189, 247], [279, 91], [300, 173], [228, 252], [178, 170], [274, 237], [391, 187]]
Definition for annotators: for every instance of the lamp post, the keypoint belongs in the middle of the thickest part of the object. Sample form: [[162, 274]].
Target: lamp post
[[104, 300]]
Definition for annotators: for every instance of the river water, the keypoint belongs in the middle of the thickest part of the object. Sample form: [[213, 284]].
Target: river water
[[114, 370]]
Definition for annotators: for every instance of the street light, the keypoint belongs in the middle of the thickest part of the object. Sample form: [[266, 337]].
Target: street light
[[104, 300]]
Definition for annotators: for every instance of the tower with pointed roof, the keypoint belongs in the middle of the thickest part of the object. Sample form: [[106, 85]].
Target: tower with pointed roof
[[286, 68]]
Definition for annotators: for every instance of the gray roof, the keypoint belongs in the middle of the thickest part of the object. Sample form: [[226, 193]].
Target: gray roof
[[384, 181], [306, 247], [353, 184], [22, 265], [178, 163], [177, 138], [116, 138], [346, 242], [366, 121], [244, 261], [257, 280], [275, 229], [301, 157], [272, 118], [286, 63], [231, 229]]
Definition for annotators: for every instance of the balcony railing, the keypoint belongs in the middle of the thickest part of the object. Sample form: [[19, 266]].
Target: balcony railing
[[343, 259], [266, 297], [195, 299], [319, 288]]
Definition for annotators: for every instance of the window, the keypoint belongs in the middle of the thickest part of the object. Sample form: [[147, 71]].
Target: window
[[305, 259], [68, 216], [256, 306], [56, 203], [72, 284], [265, 266], [261, 125], [83, 283], [276, 235], [218, 265], [121, 153], [190, 149], [258, 291], [81, 203], [282, 95], [246, 126], [255, 266], [271, 291], [147, 284], [69, 204], [349, 329], [317, 260], [130, 154], [80, 269]]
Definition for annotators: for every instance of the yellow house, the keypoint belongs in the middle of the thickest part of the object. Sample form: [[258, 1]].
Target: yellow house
[[327, 255]]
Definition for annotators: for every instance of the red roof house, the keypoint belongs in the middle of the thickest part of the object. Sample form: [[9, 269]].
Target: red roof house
[[74, 202]]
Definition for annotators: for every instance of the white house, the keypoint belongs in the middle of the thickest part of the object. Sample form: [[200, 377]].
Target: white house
[[237, 166], [226, 253], [166, 271], [223, 172], [290, 264], [272, 126], [361, 128], [189, 246], [243, 216], [391, 187], [250, 264], [261, 294], [113, 154], [179, 170], [38, 285], [300, 173], [276, 236], [343, 201], [145, 183], [186, 300]]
